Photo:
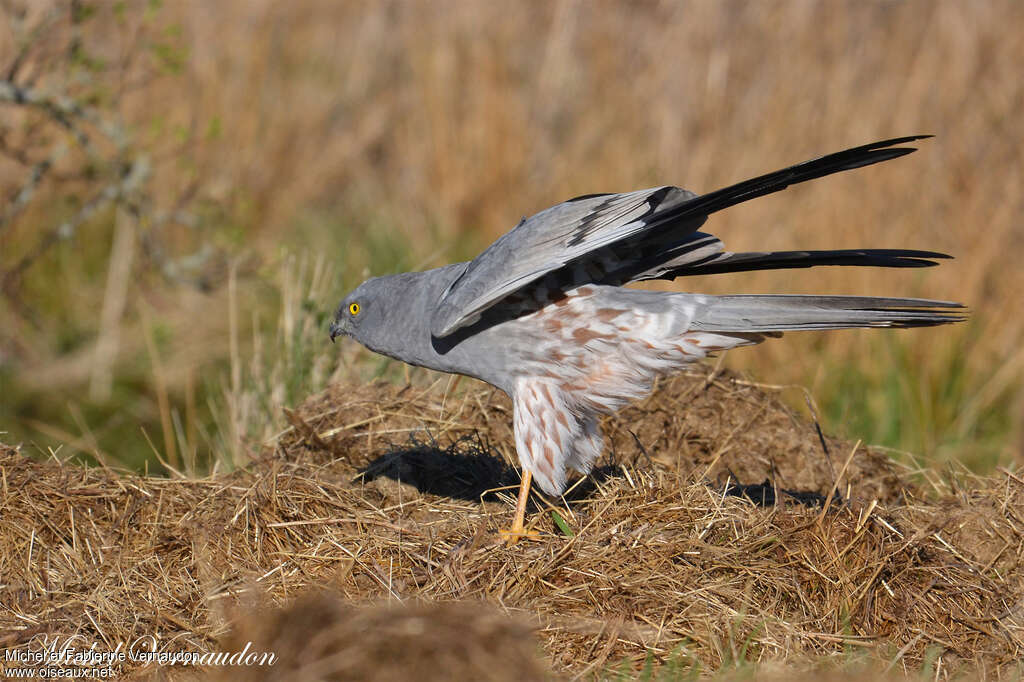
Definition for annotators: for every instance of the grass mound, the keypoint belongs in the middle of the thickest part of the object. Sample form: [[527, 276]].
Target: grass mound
[[380, 493]]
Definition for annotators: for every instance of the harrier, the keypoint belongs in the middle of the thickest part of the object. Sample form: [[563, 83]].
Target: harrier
[[543, 314]]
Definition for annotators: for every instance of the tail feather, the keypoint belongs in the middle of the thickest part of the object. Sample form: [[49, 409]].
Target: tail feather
[[779, 313], [781, 260]]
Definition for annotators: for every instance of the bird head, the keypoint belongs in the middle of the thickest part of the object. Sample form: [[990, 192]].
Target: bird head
[[391, 314], [383, 313], [356, 312]]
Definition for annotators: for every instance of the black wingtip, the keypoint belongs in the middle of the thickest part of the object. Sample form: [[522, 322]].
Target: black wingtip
[[895, 140], [847, 159], [884, 144], [785, 260]]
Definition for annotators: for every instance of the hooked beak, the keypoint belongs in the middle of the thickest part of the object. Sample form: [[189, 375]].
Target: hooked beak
[[336, 330]]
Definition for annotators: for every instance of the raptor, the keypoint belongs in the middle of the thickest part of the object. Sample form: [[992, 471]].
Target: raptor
[[543, 313]]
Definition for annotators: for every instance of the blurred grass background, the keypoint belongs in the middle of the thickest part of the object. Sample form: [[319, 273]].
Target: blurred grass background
[[189, 188]]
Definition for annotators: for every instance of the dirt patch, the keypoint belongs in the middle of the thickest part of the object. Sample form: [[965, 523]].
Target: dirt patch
[[384, 494]]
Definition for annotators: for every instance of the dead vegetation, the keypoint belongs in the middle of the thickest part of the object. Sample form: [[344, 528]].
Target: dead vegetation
[[380, 500], [390, 136]]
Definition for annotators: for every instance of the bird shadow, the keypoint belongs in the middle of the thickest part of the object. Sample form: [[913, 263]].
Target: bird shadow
[[464, 469], [467, 469], [767, 494]]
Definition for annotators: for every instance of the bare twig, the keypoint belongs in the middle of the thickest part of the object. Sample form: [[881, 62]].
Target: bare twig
[[64, 110], [28, 189], [32, 38], [126, 186]]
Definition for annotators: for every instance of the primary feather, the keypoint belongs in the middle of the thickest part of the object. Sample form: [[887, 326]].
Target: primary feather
[[655, 227]]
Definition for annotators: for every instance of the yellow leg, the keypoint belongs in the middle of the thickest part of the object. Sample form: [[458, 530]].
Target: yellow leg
[[518, 529]]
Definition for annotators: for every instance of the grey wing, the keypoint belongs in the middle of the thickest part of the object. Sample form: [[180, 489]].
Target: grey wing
[[648, 234], [552, 239]]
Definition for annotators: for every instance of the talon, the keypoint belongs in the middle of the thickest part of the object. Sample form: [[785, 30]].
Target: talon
[[511, 537]]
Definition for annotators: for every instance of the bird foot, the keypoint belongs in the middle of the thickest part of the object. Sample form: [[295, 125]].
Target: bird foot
[[512, 536]]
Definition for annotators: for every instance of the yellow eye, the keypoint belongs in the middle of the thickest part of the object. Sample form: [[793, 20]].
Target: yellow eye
[[353, 308]]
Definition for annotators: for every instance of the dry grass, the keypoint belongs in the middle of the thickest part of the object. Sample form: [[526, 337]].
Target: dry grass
[[651, 569], [348, 128]]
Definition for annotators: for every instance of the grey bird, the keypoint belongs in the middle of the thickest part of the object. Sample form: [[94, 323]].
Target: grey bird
[[543, 314]]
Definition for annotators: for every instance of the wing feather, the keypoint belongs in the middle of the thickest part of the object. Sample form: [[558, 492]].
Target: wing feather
[[546, 242], [595, 226]]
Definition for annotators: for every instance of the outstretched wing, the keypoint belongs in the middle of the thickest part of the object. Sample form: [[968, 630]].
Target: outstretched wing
[[550, 240], [596, 224]]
